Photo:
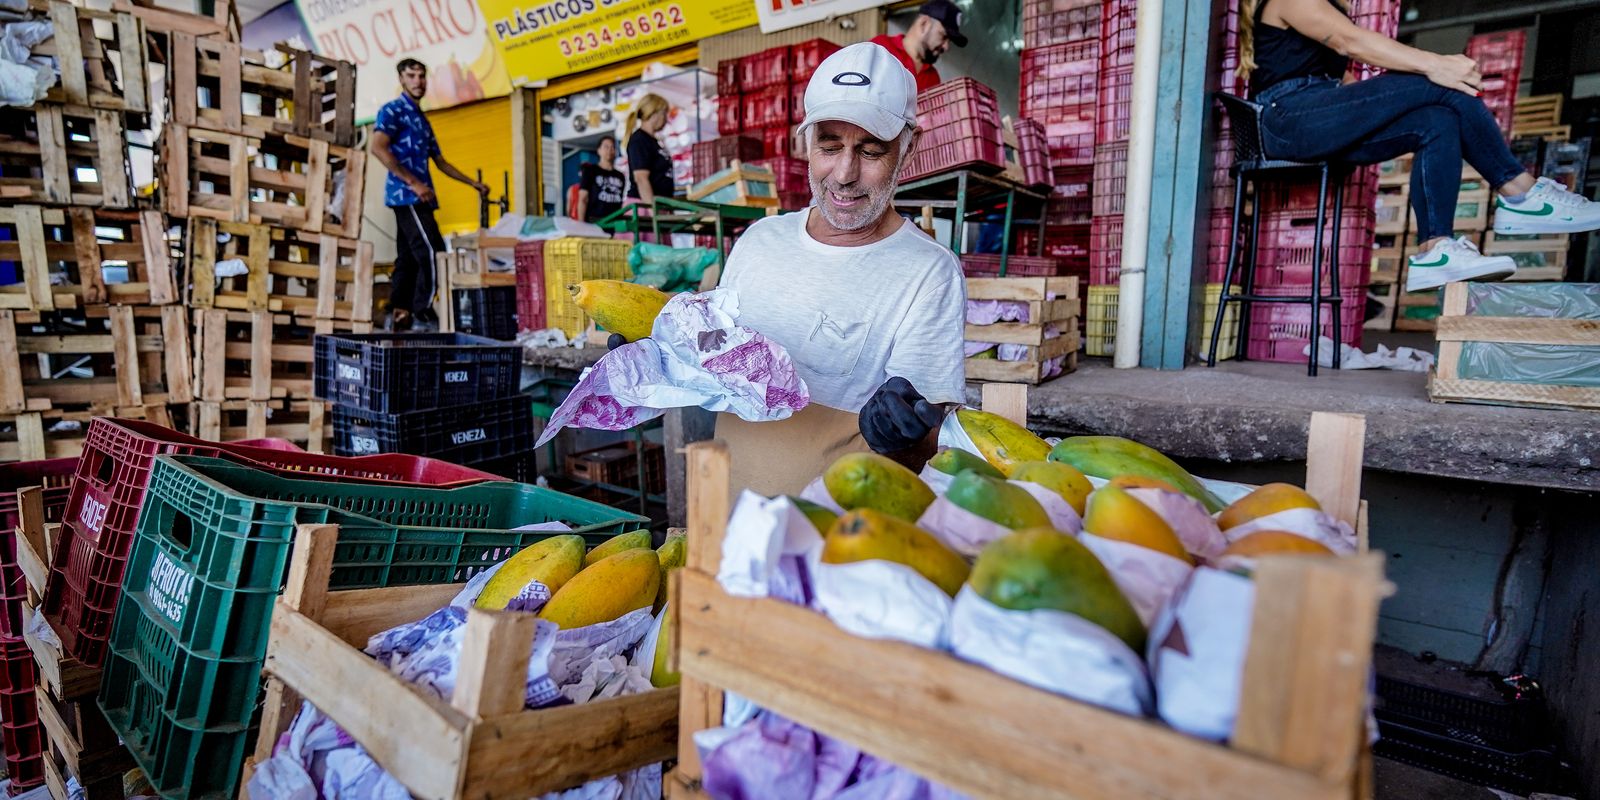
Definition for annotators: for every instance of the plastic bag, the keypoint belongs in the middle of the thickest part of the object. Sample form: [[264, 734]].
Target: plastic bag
[[670, 269]]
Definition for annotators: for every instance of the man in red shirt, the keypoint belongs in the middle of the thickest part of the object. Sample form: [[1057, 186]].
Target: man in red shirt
[[937, 27]]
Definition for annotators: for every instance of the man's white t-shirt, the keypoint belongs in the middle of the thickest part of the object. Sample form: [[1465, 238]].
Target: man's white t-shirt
[[853, 317]]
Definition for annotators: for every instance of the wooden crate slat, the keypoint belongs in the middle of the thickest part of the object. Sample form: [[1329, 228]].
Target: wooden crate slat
[[83, 243], [1456, 328], [63, 155], [312, 275], [280, 180]]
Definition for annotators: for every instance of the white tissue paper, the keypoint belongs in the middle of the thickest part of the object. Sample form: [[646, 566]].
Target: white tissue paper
[[951, 434], [1187, 517], [959, 529], [1053, 650], [1063, 517], [1318, 526], [1147, 578], [817, 492], [938, 481], [1197, 653], [696, 355], [230, 268]]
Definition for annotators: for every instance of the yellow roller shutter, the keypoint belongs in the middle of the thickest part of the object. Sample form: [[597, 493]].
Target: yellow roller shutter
[[472, 137]]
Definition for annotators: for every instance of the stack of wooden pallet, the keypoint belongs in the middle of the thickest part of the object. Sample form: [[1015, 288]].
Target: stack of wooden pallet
[[89, 321], [259, 164]]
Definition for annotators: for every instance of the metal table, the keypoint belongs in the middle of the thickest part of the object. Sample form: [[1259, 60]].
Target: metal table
[[966, 195]]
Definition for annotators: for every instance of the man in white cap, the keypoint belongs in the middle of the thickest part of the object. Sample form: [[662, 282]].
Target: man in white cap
[[871, 309]]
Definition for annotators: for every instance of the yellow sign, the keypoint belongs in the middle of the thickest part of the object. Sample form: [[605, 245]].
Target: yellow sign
[[561, 37]]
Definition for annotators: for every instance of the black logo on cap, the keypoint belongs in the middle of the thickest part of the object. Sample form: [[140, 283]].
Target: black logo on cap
[[851, 79]]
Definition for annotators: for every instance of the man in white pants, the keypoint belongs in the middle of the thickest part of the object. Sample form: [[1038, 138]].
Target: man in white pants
[[871, 309]]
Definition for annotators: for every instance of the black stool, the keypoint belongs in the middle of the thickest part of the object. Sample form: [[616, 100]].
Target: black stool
[[1250, 162]]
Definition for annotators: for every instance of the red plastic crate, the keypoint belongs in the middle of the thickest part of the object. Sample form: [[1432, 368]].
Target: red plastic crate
[[102, 511], [1217, 229], [1110, 178], [20, 731], [714, 156], [728, 76], [961, 127], [1281, 331], [1117, 34], [793, 174], [1287, 248], [1114, 106], [1070, 204], [776, 141], [1052, 22], [769, 67], [797, 102], [1072, 143], [805, 57], [1057, 80], [529, 258], [764, 107], [1034, 152], [730, 114], [988, 264], [53, 475], [1105, 251]]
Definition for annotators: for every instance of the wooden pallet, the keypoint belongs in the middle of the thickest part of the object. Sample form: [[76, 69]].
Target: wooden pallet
[[1393, 210], [63, 154], [223, 21], [483, 743], [257, 355], [101, 56], [1302, 716], [314, 276], [1388, 261], [304, 422], [1538, 111], [81, 743], [1456, 327], [283, 180], [134, 357], [1060, 312], [1472, 207], [220, 86], [84, 243]]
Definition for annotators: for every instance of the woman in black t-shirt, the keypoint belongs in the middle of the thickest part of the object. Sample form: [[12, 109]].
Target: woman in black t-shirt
[[649, 166], [600, 185]]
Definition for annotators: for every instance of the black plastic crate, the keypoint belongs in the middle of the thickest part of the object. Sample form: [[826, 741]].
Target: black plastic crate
[[488, 311], [523, 467], [392, 373], [1497, 718], [1448, 753], [471, 433]]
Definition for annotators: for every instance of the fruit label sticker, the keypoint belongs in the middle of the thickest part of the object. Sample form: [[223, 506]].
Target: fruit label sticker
[[351, 372], [93, 513], [456, 376], [169, 588], [363, 445], [469, 436]]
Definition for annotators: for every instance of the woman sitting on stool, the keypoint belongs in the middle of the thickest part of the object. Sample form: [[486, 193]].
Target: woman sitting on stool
[[1295, 53]]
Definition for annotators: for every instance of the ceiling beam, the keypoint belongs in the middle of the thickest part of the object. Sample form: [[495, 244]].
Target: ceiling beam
[[1511, 11]]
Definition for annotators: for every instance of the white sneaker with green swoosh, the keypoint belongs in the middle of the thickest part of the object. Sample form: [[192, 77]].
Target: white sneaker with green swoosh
[[1454, 260], [1547, 208]]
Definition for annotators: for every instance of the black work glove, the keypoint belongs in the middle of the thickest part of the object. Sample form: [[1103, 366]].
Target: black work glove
[[615, 341], [897, 417]]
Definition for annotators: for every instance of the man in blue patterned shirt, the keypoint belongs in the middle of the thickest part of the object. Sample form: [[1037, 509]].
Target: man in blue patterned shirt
[[403, 141]]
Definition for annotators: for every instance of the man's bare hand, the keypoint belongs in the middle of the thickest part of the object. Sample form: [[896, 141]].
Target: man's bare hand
[[483, 188], [424, 192]]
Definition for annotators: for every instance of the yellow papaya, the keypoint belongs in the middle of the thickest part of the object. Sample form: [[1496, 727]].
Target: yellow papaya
[[660, 676], [551, 562], [632, 540], [869, 480], [1110, 456], [1266, 543], [1264, 501], [1002, 442], [820, 518], [866, 534], [1115, 514], [606, 590], [674, 552], [954, 460], [1044, 568], [620, 307], [1062, 479], [997, 501]]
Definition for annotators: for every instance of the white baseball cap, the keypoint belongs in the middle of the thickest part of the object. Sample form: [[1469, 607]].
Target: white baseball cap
[[863, 84]]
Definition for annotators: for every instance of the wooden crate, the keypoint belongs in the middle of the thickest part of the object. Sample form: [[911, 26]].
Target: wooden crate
[[304, 422], [63, 154], [84, 243], [1387, 262], [36, 435], [1061, 312], [1301, 728], [1536, 112], [1387, 295], [283, 180], [318, 276], [216, 83], [133, 356], [101, 56], [481, 744], [738, 185], [1455, 327], [257, 355], [467, 265], [618, 465], [1473, 207], [1539, 257], [163, 22], [81, 744], [1393, 211]]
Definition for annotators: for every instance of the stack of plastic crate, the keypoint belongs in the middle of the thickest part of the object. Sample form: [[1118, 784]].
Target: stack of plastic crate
[[762, 95], [1113, 112], [1499, 57], [1059, 75], [448, 396]]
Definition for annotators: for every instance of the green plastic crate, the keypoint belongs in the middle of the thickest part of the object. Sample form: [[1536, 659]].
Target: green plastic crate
[[181, 683]]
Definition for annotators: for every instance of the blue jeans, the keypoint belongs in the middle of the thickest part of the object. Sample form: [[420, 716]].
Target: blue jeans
[[1316, 119]]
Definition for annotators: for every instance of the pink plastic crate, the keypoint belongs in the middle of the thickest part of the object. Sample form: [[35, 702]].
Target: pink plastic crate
[[1058, 80], [806, 56], [776, 141], [982, 264], [1033, 149], [1052, 22], [769, 67], [1281, 331], [529, 258], [961, 127], [1217, 230], [1117, 34], [1105, 250], [1114, 106], [1070, 204], [797, 102], [1072, 144], [714, 156], [765, 107], [730, 114], [1287, 249], [728, 76], [21, 734], [1360, 191], [1110, 178], [793, 174]]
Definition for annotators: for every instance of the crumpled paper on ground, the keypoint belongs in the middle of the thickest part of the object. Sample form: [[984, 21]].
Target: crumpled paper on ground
[[1197, 652], [696, 356], [1403, 359], [1053, 650], [1318, 526]]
